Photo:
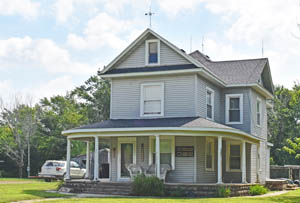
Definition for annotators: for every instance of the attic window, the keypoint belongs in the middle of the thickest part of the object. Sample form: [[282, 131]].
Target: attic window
[[152, 52]]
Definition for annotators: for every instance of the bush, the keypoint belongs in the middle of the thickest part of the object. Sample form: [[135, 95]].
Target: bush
[[258, 190], [147, 186], [224, 192]]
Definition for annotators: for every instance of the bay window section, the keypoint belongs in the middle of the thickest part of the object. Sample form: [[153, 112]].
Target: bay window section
[[210, 154], [209, 104], [233, 156], [234, 109], [167, 153], [258, 112]]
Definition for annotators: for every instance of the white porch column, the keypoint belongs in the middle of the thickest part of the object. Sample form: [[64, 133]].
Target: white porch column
[[68, 159], [244, 162], [257, 162], [220, 160], [157, 155], [96, 159], [87, 164]]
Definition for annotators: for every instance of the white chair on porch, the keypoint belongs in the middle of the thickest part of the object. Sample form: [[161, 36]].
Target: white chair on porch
[[134, 170], [164, 168]]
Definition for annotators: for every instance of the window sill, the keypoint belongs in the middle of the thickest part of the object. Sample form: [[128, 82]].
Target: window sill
[[151, 115], [234, 170], [152, 64], [211, 119], [209, 170], [234, 123], [259, 126]]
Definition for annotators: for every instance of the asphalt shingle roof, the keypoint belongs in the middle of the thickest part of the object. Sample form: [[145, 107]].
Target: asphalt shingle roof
[[189, 122], [236, 71], [151, 69]]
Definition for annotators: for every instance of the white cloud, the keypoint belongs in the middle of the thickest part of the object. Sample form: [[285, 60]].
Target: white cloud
[[250, 22], [25, 8], [104, 30], [66, 9], [42, 53], [174, 7], [57, 86]]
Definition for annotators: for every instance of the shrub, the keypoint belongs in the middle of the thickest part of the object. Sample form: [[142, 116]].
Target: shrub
[[148, 186], [258, 190], [224, 192]]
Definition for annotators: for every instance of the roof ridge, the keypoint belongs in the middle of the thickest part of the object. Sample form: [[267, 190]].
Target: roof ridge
[[254, 59]]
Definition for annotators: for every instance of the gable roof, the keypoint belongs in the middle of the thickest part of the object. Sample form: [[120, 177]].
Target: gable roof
[[237, 72], [192, 60]]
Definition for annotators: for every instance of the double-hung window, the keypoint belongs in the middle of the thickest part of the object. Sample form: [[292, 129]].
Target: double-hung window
[[209, 154], [233, 156], [152, 52], [234, 108], [258, 112], [167, 153], [209, 104], [152, 99]]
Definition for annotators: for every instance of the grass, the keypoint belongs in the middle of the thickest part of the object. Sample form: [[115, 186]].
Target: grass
[[24, 189], [290, 197], [13, 189]]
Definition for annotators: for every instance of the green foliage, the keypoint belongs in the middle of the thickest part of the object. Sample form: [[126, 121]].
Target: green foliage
[[257, 190], [224, 192], [283, 124], [147, 186]]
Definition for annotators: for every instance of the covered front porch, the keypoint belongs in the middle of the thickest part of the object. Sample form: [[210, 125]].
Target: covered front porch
[[194, 157]]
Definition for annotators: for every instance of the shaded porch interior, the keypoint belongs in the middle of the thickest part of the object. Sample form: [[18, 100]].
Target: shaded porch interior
[[202, 166]]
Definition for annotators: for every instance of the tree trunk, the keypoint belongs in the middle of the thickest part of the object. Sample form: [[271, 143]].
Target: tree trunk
[[20, 171]]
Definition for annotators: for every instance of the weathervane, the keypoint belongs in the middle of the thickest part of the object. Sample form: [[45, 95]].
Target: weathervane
[[149, 13]]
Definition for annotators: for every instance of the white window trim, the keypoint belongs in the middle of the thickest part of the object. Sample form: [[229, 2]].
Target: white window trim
[[147, 52], [228, 143], [209, 139], [212, 103], [260, 111], [172, 138], [125, 140], [227, 103], [142, 99]]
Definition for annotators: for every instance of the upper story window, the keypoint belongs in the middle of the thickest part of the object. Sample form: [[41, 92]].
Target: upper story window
[[233, 156], [152, 99], [210, 154], [209, 104], [152, 52], [258, 112], [234, 109]]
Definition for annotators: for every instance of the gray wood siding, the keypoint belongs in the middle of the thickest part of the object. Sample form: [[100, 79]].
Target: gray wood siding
[[202, 84], [178, 96], [184, 166], [204, 176], [246, 126], [260, 131], [137, 57]]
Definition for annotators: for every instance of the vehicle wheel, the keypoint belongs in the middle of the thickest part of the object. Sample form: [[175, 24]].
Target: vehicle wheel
[[47, 180]]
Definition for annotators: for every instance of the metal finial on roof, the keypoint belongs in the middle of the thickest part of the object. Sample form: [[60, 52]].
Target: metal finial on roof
[[150, 14]]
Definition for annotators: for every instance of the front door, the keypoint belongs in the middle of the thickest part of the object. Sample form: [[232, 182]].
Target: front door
[[127, 156]]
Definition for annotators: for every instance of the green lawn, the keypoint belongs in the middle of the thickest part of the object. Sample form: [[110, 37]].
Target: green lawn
[[12, 189], [24, 189], [291, 197]]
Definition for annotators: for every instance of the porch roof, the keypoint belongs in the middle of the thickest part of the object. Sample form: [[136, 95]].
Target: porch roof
[[189, 122]]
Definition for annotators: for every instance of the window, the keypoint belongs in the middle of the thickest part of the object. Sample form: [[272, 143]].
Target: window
[[234, 109], [152, 99], [209, 104], [233, 156], [167, 152], [258, 112], [152, 52], [210, 154]]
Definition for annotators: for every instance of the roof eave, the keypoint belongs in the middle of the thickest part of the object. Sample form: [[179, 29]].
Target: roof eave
[[257, 87]]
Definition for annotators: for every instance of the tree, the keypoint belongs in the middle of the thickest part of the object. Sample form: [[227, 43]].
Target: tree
[[18, 124], [95, 96], [283, 123], [293, 147]]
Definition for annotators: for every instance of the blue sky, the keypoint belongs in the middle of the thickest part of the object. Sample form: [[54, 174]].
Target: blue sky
[[50, 47]]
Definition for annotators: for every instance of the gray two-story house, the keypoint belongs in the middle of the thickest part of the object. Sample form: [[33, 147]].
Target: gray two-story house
[[206, 120]]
